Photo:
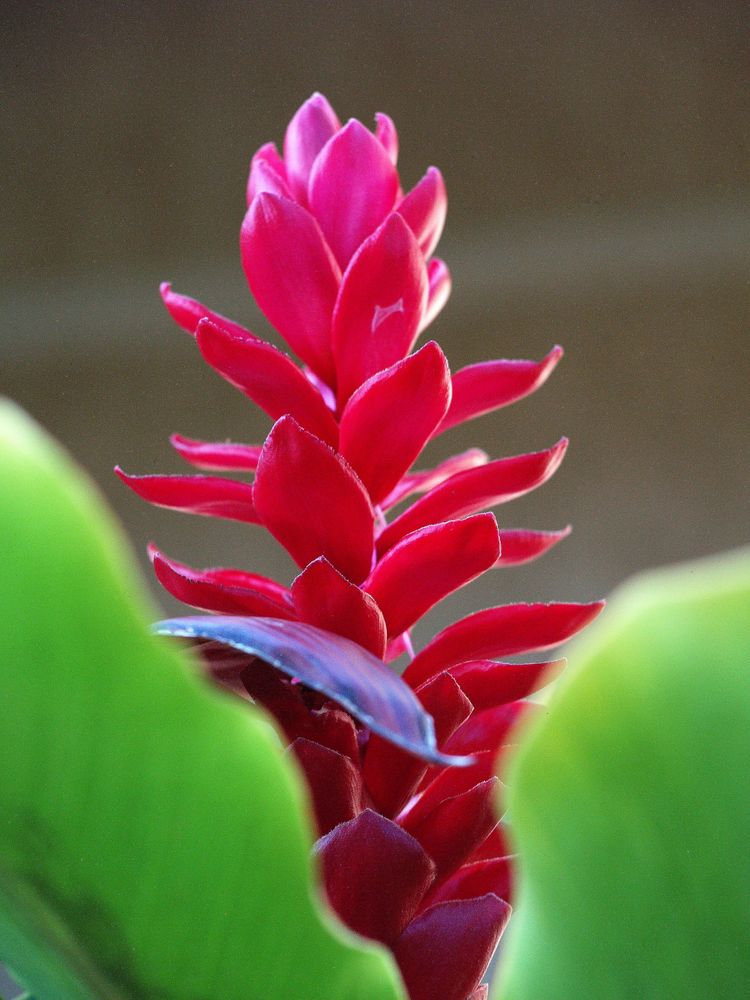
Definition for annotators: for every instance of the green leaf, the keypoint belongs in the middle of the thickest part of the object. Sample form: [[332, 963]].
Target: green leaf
[[631, 807], [153, 838]]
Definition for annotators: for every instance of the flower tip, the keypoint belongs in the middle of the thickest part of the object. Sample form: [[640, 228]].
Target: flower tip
[[165, 289], [316, 102], [318, 561], [548, 364], [287, 429], [385, 132], [206, 326], [557, 453], [264, 206], [259, 210], [432, 347], [591, 611], [127, 478], [318, 98], [265, 198], [286, 422], [395, 226], [355, 127]]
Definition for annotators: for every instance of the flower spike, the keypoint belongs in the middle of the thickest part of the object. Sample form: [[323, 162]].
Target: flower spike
[[401, 763]]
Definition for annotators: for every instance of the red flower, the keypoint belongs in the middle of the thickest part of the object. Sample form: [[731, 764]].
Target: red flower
[[339, 260]]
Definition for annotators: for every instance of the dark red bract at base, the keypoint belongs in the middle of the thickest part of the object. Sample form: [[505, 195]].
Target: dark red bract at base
[[339, 260]]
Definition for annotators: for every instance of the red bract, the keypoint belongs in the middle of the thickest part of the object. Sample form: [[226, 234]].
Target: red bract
[[339, 261]]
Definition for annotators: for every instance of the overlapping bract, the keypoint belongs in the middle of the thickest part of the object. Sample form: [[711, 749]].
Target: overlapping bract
[[339, 261]]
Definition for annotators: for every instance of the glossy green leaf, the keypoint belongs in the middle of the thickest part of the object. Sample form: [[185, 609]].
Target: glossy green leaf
[[631, 804], [153, 839]]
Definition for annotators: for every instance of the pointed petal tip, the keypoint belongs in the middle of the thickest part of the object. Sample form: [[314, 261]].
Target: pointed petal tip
[[440, 284], [156, 556], [287, 424], [206, 322], [394, 223], [180, 441], [434, 348], [520, 545], [265, 177], [354, 124], [558, 452], [385, 131], [549, 362], [319, 100], [424, 208], [263, 202], [128, 478]]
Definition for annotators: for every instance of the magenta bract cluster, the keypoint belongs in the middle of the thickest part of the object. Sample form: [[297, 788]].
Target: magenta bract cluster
[[340, 261]]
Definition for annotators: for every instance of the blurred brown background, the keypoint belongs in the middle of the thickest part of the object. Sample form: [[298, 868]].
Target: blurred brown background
[[596, 161]]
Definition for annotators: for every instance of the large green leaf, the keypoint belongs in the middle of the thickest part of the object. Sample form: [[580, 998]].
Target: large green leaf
[[153, 840], [631, 803]]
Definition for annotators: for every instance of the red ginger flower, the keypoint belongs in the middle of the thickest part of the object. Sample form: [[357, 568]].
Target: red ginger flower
[[339, 260]]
